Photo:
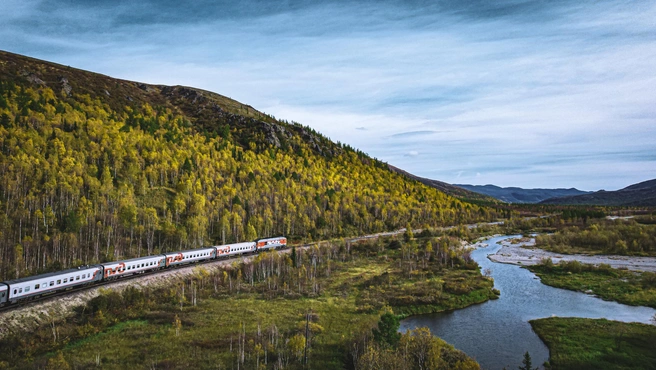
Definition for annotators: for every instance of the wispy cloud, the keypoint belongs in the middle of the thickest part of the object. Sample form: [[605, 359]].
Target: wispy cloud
[[512, 92]]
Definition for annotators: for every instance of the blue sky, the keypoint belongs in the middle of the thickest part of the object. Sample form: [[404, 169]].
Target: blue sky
[[511, 93]]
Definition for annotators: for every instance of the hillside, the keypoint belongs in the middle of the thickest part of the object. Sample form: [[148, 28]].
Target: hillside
[[519, 195], [95, 168], [640, 194], [449, 189]]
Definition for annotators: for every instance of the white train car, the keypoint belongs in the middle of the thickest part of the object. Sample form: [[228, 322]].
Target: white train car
[[4, 291], [271, 243], [114, 270], [52, 282], [227, 250], [190, 256]]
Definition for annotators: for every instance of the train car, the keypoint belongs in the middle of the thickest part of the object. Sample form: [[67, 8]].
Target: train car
[[228, 250], [4, 292], [190, 256], [47, 283], [271, 243], [114, 270]]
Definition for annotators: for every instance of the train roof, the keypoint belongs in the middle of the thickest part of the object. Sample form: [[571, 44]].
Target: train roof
[[49, 274], [134, 259], [272, 237], [190, 250]]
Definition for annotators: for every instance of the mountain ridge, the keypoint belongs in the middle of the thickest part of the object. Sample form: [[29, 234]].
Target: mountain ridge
[[453, 190], [639, 194], [520, 195]]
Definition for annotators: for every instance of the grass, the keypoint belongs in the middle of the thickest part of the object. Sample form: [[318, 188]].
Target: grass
[[623, 286], [136, 329], [581, 344]]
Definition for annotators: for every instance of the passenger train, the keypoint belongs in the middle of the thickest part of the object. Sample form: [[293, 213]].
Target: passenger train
[[14, 291]]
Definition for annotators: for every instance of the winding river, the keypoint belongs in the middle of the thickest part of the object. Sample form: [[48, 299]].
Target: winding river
[[497, 333]]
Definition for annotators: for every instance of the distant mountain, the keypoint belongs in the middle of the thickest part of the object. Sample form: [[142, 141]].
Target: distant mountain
[[640, 194], [449, 189], [519, 195]]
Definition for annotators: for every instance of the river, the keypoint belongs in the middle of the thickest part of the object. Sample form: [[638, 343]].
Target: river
[[497, 333]]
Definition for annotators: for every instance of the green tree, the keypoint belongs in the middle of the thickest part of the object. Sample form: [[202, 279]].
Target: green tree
[[408, 235], [526, 362], [58, 362], [387, 332], [293, 257]]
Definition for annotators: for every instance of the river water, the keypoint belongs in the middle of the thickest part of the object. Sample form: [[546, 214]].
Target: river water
[[497, 333]]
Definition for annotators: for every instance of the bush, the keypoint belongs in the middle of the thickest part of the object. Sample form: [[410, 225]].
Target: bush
[[572, 266], [649, 279]]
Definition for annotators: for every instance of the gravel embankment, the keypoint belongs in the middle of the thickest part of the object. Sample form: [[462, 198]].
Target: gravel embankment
[[527, 254], [33, 314]]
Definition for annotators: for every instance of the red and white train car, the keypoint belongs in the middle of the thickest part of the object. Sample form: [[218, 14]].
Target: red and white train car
[[190, 256], [133, 266], [271, 243], [228, 250]]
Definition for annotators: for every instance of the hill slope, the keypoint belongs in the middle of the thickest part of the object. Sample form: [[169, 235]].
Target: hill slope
[[640, 194], [453, 190], [94, 168], [519, 195]]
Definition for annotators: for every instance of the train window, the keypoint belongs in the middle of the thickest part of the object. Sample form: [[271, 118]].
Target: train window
[[142, 265], [27, 289], [37, 286], [52, 283], [65, 280], [15, 291], [77, 277], [58, 281], [20, 290]]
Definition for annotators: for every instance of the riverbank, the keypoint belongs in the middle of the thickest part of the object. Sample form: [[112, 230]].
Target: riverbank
[[526, 254]]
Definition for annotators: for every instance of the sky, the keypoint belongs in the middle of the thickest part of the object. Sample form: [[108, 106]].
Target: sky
[[543, 93]]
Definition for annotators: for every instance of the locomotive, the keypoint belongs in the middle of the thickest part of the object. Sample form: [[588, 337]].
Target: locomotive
[[14, 291]]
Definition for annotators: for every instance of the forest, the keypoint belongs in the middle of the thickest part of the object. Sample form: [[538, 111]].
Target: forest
[[86, 180], [623, 237]]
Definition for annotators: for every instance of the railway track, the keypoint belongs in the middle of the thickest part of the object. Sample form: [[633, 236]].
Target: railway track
[[56, 295]]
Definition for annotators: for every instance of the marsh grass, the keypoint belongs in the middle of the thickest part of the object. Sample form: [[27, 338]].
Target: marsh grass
[[623, 286], [581, 344]]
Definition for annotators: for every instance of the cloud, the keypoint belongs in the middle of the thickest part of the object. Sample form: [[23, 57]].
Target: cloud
[[412, 134], [526, 93], [412, 153]]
